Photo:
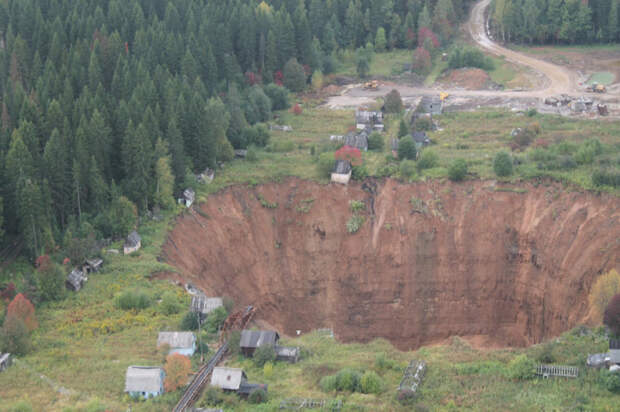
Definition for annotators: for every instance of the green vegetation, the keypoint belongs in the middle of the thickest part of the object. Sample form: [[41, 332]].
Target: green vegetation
[[605, 78]]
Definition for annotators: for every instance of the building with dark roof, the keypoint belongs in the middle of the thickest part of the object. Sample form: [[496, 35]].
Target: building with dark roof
[[431, 105], [420, 139], [252, 339], [133, 243]]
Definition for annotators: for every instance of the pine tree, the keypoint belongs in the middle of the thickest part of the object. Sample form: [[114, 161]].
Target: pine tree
[[164, 184], [55, 161], [177, 153], [380, 40], [613, 26], [32, 216], [138, 164]]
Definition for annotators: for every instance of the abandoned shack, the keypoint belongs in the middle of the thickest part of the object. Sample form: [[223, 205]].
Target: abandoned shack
[[252, 339], [241, 153], [359, 140], [247, 388], [420, 139], [431, 105], [367, 118], [92, 265], [75, 280], [183, 343], [206, 177], [144, 381], [133, 243], [287, 353], [228, 379], [187, 197], [203, 305], [614, 351], [5, 361], [342, 172]]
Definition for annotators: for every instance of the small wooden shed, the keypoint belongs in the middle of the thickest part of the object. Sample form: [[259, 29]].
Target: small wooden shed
[[133, 243], [252, 339], [144, 381]]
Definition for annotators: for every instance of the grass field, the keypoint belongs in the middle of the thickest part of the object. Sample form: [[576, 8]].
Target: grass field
[[85, 343], [382, 65]]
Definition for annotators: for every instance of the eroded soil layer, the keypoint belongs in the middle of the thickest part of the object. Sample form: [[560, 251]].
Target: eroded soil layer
[[432, 260]]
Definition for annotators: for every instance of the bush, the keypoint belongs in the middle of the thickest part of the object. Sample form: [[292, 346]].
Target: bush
[[611, 318], [403, 129], [611, 380], [376, 142], [602, 177], [268, 370], [233, 342], [502, 164], [371, 383], [393, 102], [383, 363], [546, 353], [406, 148], [457, 170], [387, 170], [294, 76], [359, 172], [257, 106], [257, 396], [466, 56], [14, 336], [355, 223], [329, 383], [264, 354], [357, 205], [133, 300], [215, 319], [169, 304], [348, 380], [325, 164], [423, 124], [521, 368], [21, 406], [428, 159], [212, 396], [50, 282], [407, 169], [190, 321], [177, 368], [604, 289], [281, 146], [278, 96]]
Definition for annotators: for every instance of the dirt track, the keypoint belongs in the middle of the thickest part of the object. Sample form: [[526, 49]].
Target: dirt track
[[432, 260], [559, 80]]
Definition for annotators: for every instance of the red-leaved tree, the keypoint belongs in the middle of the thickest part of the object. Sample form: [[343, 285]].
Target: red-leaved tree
[[296, 110], [611, 318], [426, 33], [352, 154], [278, 78], [177, 368], [421, 61], [21, 308]]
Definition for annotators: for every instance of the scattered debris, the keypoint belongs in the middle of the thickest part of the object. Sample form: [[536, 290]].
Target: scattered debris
[[602, 109], [297, 404], [412, 378], [75, 280], [431, 105], [92, 265], [598, 360], [285, 128], [203, 305], [112, 251], [187, 198], [206, 177], [5, 361], [367, 118], [241, 153]]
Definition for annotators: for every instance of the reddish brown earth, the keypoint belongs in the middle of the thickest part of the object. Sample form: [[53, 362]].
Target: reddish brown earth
[[432, 260]]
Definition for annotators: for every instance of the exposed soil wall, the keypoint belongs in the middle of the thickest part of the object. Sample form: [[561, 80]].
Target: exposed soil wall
[[432, 260]]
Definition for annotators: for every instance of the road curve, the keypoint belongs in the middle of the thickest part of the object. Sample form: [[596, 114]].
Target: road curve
[[560, 79]]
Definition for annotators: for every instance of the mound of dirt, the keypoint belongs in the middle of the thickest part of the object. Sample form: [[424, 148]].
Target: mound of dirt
[[468, 79], [432, 260]]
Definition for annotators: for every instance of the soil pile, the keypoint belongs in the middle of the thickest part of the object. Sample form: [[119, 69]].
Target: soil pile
[[432, 260]]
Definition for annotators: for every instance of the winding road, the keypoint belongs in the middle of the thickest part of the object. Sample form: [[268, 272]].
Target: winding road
[[558, 80]]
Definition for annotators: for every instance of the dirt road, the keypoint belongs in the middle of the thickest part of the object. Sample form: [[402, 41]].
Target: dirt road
[[560, 80]]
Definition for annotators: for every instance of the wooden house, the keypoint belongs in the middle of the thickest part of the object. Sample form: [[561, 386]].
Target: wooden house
[[133, 243], [253, 339], [144, 381], [183, 343], [342, 172]]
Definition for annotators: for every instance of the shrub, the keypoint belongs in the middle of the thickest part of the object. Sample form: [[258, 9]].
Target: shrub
[[611, 318], [406, 148], [521, 368], [169, 304], [297, 110], [257, 396], [387, 170], [215, 319], [393, 102], [348, 380], [407, 169], [428, 159], [502, 164], [251, 156], [355, 223], [603, 290], [352, 154], [257, 106], [133, 300], [602, 177], [278, 96], [403, 129], [611, 380], [177, 368], [329, 383], [457, 170], [21, 308], [264, 354], [423, 124], [317, 80], [190, 321], [357, 205], [325, 164], [294, 76], [376, 142], [268, 370], [233, 342], [421, 61], [466, 56], [359, 172], [383, 363], [546, 353], [212, 396], [371, 383], [21, 406], [14, 336]]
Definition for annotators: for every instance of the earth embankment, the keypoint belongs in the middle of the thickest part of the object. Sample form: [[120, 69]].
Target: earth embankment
[[503, 267]]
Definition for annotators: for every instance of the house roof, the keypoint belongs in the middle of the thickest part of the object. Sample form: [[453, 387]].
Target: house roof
[[189, 194], [176, 339], [357, 140], [420, 137], [75, 278], [203, 304], [256, 338], [614, 344], [143, 379], [342, 167], [228, 378], [367, 116], [248, 388], [133, 239]]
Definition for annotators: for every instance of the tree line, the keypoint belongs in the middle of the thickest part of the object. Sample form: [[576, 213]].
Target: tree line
[[556, 21], [107, 105]]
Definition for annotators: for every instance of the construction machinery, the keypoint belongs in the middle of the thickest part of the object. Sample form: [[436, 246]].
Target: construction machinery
[[443, 96], [596, 88], [371, 85]]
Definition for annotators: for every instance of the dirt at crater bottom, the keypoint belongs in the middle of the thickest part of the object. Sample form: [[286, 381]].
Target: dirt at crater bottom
[[501, 266]]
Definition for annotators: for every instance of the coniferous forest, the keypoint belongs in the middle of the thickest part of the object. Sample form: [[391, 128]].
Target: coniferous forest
[[108, 104]]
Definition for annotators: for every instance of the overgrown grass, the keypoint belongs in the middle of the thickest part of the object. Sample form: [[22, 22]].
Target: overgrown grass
[[382, 65]]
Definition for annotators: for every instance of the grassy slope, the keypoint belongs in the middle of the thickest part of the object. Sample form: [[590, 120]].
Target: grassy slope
[[85, 343]]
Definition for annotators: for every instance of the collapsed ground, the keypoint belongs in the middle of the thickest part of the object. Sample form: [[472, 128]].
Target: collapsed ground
[[504, 265]]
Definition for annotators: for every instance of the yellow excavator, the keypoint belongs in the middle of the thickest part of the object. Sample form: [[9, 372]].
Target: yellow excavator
[[597, 88], [371, 85], [443, 96]]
